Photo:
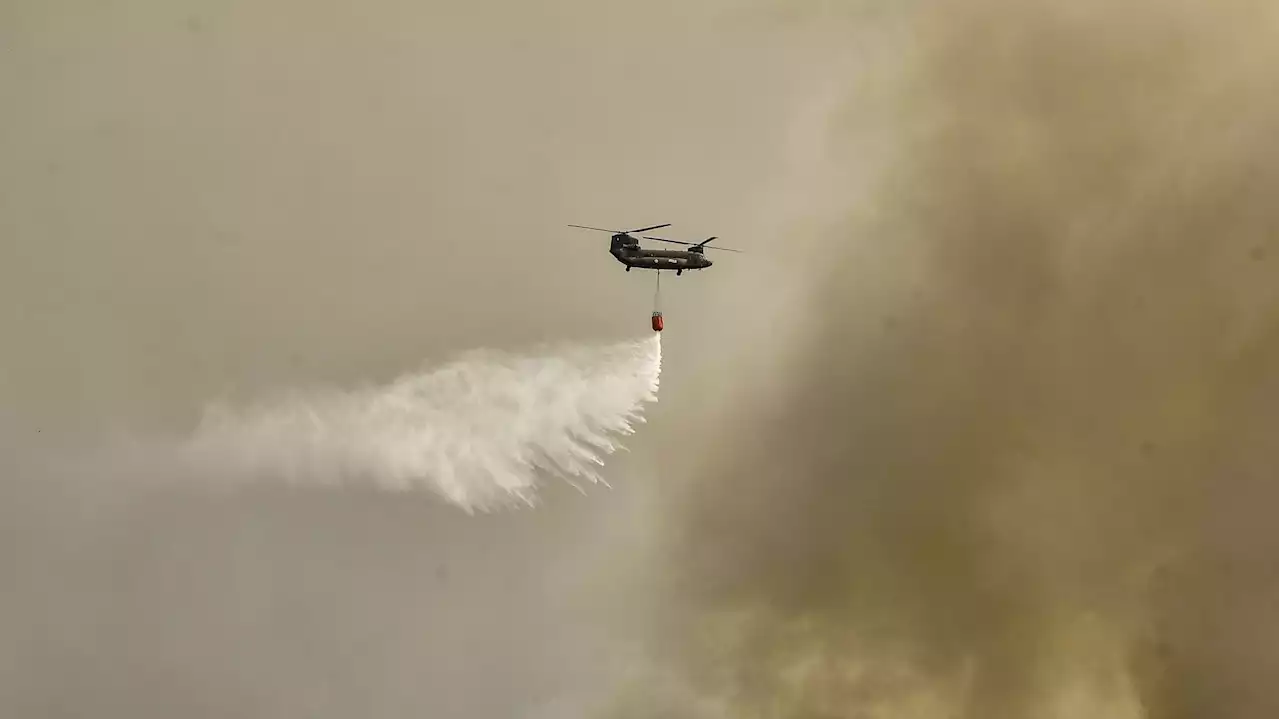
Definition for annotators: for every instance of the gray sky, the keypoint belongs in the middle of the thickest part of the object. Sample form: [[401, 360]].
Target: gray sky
[[238, 196], [207, 201]]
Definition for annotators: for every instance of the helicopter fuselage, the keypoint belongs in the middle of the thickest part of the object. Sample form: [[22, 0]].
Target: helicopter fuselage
[[629, 253]]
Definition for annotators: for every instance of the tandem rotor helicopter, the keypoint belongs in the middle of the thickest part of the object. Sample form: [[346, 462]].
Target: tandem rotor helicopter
[[625, 248]]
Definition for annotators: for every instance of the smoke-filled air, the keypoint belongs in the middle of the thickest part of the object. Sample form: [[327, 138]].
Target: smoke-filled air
[[1024, 464], [316, 368]]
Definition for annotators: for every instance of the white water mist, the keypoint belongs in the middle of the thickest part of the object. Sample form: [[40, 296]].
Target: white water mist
[[480, 431]]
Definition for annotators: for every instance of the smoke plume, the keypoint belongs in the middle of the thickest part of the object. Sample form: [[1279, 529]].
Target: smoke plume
[[1025, 465]]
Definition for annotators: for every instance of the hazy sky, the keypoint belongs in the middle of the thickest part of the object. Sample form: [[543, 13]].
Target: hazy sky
[[206, 199], [217, 201]]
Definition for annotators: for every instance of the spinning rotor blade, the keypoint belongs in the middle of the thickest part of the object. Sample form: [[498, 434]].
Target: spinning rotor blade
[[663, 239], [713, 247], [646, 229], [702, 245], [620, 232], [601, 229]]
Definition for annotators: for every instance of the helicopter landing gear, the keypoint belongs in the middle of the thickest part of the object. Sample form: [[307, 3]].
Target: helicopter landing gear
[[679, 272], [628, 268]]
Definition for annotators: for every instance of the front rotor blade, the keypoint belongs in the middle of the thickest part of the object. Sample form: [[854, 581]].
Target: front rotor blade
[[663, 239], [646, 229], [601, 229], [704, 242]]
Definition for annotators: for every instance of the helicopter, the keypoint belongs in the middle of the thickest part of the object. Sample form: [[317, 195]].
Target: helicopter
[[625, 248]]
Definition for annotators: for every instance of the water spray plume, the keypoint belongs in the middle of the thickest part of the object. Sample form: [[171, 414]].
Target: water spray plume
[[479, 431]]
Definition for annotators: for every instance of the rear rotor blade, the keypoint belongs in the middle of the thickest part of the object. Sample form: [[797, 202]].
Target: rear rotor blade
[[663, 239], [704, 244]]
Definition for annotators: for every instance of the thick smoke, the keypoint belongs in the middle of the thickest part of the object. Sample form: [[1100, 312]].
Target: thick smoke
[[1026, 465]]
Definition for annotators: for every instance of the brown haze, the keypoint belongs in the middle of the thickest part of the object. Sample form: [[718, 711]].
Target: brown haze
[[1024, 464], [996, 443]]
